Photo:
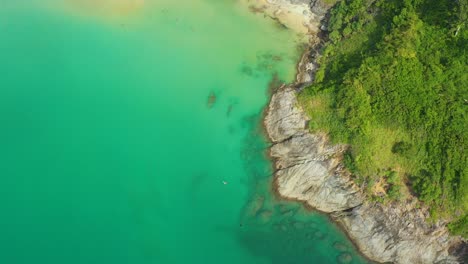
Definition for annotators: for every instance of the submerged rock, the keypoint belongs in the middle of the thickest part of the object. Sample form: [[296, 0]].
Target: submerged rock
[[298, 225], [288, 214], [247, 70], [229, 110], [312, 225], [284, 228], [311, 233], [285, 209], [264, 216], [344, 258], [340, 246], [319, 235], [255, 205], [211, 100]]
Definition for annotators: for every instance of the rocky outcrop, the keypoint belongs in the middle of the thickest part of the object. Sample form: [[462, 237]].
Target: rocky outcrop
[[398, 233], [309, 169]]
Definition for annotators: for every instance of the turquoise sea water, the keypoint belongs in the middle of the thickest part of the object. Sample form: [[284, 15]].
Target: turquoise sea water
[[122, 121]]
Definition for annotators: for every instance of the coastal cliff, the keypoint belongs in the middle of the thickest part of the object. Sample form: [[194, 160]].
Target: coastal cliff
[[309, 169]]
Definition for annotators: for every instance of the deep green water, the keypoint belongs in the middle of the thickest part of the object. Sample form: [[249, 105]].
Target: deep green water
[[113, 148]]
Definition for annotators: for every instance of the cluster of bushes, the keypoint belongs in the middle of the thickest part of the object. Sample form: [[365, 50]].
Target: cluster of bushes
[[393, 84]]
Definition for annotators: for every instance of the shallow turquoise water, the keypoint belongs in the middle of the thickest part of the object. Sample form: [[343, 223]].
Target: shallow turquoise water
[[118, 130]]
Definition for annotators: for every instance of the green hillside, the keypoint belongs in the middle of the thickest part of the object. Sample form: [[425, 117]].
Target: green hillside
[[393, 84]]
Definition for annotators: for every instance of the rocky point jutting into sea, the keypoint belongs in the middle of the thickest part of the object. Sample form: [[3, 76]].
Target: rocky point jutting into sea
[[309, 169]]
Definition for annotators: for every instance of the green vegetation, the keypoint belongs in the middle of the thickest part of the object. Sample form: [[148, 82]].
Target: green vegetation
[[330, 2], [393, 84], [459, 226]]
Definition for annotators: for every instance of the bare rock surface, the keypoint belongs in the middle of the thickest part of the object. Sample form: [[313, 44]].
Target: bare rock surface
[[307, 167]]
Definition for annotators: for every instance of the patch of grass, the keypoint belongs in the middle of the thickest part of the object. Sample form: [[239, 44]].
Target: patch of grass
[[330, 2]]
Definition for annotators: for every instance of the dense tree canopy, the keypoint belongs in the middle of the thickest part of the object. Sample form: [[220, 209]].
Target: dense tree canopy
[[393, 84]]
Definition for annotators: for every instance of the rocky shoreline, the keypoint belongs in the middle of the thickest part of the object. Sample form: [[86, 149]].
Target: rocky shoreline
[[309, 169]]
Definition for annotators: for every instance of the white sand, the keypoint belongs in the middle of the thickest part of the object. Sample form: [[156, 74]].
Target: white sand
[[297, 17]]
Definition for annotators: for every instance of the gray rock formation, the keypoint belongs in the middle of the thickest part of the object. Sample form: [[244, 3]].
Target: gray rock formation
[[398, 233], [309, 169]]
